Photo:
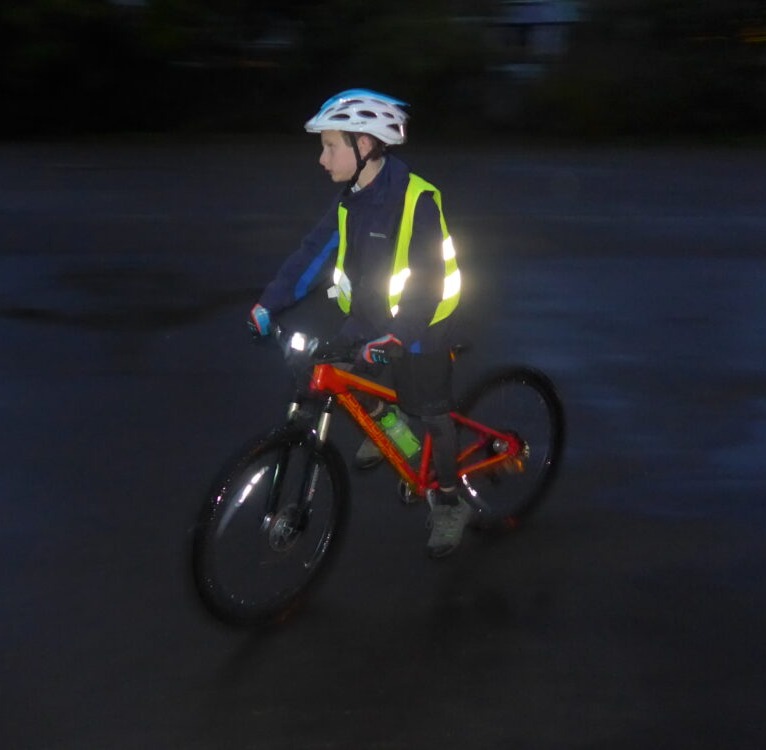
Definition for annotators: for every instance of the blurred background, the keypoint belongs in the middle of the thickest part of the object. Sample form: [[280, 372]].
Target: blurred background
[[623, 254], [590, 69]]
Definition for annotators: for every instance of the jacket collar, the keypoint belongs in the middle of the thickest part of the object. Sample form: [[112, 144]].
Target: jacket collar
[[389, 181]]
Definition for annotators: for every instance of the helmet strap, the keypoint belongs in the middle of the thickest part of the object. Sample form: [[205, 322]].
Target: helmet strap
[[361, 163]]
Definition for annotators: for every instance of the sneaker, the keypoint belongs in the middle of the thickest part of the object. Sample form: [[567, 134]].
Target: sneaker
[[448, 518], [368, 456]]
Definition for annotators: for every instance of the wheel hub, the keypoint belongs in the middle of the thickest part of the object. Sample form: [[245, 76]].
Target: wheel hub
[[285, 528]]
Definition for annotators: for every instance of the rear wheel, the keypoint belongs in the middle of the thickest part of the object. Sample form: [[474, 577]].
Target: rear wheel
[[269, 527], [519, 465]]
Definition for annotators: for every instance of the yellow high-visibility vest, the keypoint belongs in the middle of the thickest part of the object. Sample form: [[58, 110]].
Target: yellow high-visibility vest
[[401, 271]]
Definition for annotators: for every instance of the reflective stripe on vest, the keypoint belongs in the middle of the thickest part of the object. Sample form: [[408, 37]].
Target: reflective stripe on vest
[[401, 271]]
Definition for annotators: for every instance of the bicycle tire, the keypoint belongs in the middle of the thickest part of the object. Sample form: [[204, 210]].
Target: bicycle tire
[[257, 546], [521, 400]]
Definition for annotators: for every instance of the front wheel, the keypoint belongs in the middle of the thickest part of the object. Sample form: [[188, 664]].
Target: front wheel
[[268, 528], [522, 404]]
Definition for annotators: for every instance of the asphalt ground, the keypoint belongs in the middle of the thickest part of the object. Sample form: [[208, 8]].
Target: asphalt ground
[[629, 613]]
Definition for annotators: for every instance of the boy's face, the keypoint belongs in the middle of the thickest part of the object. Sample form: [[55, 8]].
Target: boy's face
[[338, 157]]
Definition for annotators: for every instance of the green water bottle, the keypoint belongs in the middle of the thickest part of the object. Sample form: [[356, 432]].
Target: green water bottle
[[400, 433]]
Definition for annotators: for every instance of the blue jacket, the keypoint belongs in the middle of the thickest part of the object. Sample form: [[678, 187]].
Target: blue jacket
[[374, 214]]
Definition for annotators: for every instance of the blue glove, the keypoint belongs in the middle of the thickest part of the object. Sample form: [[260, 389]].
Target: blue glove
[[261, 320], [381, 350]]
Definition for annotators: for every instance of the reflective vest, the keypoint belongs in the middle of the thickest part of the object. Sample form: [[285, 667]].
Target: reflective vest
[[401, 271]]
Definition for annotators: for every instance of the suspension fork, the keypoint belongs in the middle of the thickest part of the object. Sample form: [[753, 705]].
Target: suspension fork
[[317, 436], [323, 423], [311, 472]]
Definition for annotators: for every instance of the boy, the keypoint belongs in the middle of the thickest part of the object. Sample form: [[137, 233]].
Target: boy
[[385, 239]]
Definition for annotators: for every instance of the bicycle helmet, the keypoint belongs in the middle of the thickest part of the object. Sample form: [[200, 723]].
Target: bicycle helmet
[[362, 111]]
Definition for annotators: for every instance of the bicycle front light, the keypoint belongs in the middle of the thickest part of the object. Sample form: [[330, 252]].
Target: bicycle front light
[[300, 342]]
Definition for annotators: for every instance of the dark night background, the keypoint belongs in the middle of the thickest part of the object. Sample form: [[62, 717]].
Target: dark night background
[[594, 69]]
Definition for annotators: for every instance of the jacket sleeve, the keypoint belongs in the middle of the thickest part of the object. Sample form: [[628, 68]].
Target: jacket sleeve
[[423, 291], [307, 267]]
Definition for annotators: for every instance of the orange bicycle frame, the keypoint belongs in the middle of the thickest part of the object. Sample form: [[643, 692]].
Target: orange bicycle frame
[[328, 379]]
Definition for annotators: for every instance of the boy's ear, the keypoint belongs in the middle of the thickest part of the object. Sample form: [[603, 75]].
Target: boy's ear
[[366, 144]]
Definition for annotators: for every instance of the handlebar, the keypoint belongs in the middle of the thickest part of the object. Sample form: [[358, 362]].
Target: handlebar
[[297, 344]]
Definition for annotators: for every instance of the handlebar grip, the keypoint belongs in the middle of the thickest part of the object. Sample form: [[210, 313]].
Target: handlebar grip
[[254, 332]]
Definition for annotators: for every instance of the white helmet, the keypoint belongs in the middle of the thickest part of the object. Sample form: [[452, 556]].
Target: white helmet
[[362, 111]]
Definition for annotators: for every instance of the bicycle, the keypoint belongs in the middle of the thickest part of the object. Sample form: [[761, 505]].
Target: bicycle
[[272, 520]]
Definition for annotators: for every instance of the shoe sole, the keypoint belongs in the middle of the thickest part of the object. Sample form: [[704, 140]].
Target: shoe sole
[[368, 464], [438, 554]]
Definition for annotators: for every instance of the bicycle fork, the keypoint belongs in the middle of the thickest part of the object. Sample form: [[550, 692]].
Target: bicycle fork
[[322, 428], [311, 471], [285, 522]]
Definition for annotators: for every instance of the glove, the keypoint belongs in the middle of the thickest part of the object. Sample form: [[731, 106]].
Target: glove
[[381, 350], [260, 320]]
